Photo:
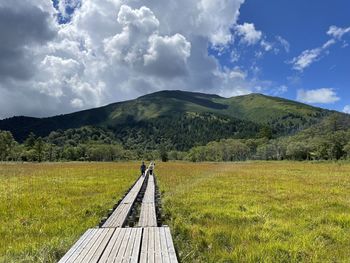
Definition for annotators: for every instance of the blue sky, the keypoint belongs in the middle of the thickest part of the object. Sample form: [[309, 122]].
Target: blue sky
[[70, 55], [304, 24]]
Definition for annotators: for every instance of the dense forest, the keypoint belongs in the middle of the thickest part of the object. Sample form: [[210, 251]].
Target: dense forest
[[329, 140]]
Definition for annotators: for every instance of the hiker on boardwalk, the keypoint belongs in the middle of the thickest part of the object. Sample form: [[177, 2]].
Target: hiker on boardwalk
[[143, 168], [151, 167]]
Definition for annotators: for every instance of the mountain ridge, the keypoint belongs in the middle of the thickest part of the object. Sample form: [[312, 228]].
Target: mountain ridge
[[152, 115]]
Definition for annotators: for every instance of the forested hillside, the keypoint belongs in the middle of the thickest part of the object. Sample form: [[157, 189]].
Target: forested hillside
[[182, 125]]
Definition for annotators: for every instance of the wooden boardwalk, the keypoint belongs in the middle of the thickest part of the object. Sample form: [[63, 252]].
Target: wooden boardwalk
[[151, 244], [121, 213], [148, 208], [146, 243]]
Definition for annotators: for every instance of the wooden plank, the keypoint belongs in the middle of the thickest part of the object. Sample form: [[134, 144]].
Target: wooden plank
[[136, 249], [129, 246], [158, 250], [121, 252], [120, 214], [86, 248], [150, 256], [112, 246], [73, 249], [116, 247], [145, 245], [170, 244], [164, 246], [82, 246], [133, 248], [100, 246]]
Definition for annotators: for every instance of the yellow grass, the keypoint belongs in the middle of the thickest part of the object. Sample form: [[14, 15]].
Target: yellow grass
[[227, 212], [258, 212], [44, 208]]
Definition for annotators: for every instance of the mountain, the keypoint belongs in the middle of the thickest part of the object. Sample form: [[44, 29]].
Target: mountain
[[180, 119]]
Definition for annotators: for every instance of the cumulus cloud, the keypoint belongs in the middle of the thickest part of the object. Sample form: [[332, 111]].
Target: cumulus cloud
[[322, 96], [140, 46], [248, 33], [167, 56], [111, 50], [23, 27], [347, 109]]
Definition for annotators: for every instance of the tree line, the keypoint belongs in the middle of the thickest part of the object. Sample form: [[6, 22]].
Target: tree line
[[328, 141]]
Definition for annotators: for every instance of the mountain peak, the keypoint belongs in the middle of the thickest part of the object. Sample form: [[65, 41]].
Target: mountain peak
[[284, 116], [178, 94]]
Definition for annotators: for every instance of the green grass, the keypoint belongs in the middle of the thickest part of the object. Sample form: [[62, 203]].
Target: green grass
[[258, 212], [228, 212], [44, 208]]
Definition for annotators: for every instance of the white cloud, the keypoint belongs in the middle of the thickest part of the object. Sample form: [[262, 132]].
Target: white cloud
[[140, 46], [167, 56], [99, 58], [309, 56], [337, 32], [347, 109], [234, 56], [279, 90], [285, 44], [323, 96], [266, 45], [77, 103], [306, 58], [248, 33]]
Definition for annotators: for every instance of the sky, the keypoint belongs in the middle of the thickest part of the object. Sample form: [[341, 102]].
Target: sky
[[63, 56]]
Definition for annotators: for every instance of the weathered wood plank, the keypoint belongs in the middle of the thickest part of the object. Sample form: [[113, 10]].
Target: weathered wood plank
[[74, 248], [136, 249], [170, 244], [158, 250], [100, 246], [112, 247], [87, 247], [117, 248], [164, 246], [151, 248], [121, 253], [120, 214], [145, 245]]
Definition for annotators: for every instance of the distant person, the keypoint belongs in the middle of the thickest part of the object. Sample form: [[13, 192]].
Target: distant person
[[143, 169], [151, 168]]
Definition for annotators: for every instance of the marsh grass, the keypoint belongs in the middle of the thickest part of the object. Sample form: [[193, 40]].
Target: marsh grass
[[219, 212], [259, 211], [44, 208]]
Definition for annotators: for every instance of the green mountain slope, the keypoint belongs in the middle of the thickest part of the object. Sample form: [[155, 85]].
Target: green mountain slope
[[179, 118]]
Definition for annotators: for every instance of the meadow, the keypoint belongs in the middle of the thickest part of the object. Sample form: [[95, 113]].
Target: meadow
[[44, 208], [218, 212], [258, 212]]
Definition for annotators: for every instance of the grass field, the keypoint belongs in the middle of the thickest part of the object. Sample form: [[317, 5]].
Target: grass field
[[240, 212], [258, 212], [44, 208]]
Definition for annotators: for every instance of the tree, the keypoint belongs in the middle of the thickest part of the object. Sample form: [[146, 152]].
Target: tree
[[39, 149], [30, 141], [163, 153], [347, 150], [265, 132], [298, 151], [7, 144]]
